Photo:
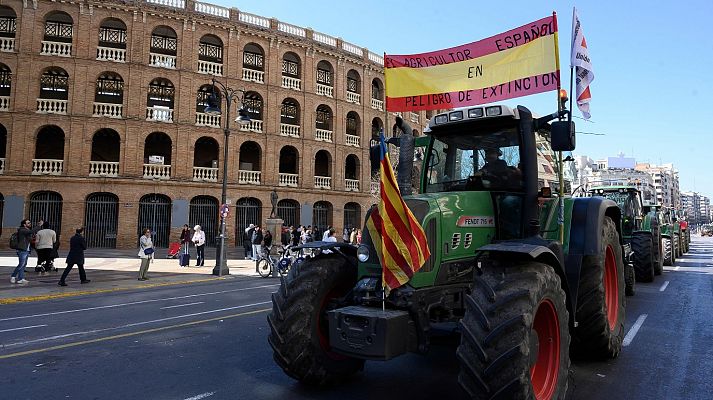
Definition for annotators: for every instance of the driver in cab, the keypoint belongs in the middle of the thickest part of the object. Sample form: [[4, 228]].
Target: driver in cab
[[496, 172]]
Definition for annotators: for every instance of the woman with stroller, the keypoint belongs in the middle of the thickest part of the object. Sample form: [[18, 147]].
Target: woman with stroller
[[45, 241]]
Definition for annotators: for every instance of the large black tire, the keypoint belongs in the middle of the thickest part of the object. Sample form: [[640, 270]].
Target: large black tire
[[669, 255], [600, 300], [298, 322], [658, 254], [642, 246], [515, 324], [677, 244]]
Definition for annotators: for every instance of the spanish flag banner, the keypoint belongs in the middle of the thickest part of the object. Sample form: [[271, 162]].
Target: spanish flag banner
[[397, 235], [516, 63]]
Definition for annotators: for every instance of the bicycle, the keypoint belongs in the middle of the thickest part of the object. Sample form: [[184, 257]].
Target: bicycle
[[267, 264]]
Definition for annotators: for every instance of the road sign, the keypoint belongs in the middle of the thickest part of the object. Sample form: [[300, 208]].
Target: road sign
[[224, 211]]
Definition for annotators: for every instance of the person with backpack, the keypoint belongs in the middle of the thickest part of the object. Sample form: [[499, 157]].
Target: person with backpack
[[20, 241]]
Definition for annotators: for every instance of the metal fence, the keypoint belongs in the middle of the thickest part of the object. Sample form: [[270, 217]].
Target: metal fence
[[289, 211], [46, 206], [352, 216], [155, 214], [322, 216], [101, 220], [2, 210], [203, 211], [248, 210]]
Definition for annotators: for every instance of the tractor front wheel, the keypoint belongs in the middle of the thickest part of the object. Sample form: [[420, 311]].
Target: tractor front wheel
[[299, 333], [515, 337], [600, 300], [642, 245], [669, 255]]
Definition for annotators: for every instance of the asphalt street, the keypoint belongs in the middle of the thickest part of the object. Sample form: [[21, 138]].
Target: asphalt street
[[208, 341]]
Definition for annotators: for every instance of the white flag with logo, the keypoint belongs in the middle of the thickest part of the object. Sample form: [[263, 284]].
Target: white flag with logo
[[583, 66]]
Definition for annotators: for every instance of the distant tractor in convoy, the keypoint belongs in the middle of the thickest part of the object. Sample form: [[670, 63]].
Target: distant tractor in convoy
[[669, 236], [641, 231], [498, 273]]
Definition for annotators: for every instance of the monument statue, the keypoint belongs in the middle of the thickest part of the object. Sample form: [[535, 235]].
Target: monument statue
[[273, 200]]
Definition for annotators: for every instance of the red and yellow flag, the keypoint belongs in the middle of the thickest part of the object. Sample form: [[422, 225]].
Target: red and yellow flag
[[516, 63], [397, 235]]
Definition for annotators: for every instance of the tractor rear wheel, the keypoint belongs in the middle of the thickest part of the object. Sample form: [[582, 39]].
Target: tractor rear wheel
[[299, 333], [600, 300], [515, 336], [643, 257], [669, 256]]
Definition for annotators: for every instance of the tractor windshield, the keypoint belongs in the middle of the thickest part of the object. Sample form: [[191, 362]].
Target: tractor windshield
[[475, 161]]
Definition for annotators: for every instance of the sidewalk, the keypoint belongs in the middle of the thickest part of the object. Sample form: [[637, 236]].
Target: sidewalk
[[116, 270]]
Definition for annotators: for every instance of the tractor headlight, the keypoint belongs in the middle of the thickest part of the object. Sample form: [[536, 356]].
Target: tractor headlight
[[363, 253]]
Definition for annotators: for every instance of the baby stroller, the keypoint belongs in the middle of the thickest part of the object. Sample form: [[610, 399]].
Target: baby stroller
[[173, 250], [47, 264]]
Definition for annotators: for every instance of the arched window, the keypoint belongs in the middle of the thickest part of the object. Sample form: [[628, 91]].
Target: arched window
[[253, 57], [249, 164], [47, 206], [101, 220], [351, 168], [377, 90], [325, 73], [58, 27], [289, 211], [352, 216], [112, 34], [288, 171], [203, 211], [5, 87], [54, 84], [248, 210], [164, 41], [352, 123], [106, 145], [8, 27], [322, 163], [353, 87], [290, 113], [205, 155], [291, 71], [323, 117], [210, 49], [157, 144], [376, 127], [109, 89], [204, 93], [50, 143], [159, 100], [321, 218], [3, 147], [155, 214], [252, 102]]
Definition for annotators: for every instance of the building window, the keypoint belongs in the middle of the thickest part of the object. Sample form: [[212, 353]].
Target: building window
[[5, 80], [164, 41], [210, 49], [253, 105], [8, 24], [323, 118], [290, 112], [161, 93], [290, 66], [110, 89], [324, 77], [58, 27], [112, 33], [253, 57], [54, 84]]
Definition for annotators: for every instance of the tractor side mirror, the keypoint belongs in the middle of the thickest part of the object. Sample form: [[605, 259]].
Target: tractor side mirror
[[562, 133]]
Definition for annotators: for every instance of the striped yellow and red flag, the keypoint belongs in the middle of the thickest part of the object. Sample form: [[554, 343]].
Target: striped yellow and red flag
[[515, 63], [397, 235]]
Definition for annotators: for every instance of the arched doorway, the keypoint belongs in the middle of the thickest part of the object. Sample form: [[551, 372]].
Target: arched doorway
[[46, 206], [101, 220], [248, 210], [289, 211], [155, 214], [203, 211], [352, 216], [321, 217]]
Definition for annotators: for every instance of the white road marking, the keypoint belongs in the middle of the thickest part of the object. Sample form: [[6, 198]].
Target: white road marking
[[66, 335], [634, 330], [201, 396], [664, 286], [24, 327], [137, 302], [182, 305]]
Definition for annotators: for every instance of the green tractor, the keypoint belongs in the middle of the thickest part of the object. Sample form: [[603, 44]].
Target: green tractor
[[685, 238], [498, 273], [641, 230], [669, 236]]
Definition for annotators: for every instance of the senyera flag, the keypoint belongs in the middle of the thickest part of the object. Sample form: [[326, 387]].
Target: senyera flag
[[516, 63], [397, 235], [584, 71]]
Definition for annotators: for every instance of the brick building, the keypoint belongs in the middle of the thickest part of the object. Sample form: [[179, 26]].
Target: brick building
[[102, 120]]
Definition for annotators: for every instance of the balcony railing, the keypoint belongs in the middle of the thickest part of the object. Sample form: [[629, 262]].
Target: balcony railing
[[374, 188], [353, 140], [205, 174], [104, 168], [110, 110], [414, 117], [323, 135], [377, 104], [351, 185], [7, 44], [159, 113], [289, 82], [47, 167], [169, 3], [290, 130], [203, 119], [325, 90], [290, 180], [210, 68], [353, 97], [111, 54], [253, 75], [255, 125], [162, 61], [56, 49], [323, 182], [210, 9], [249, 177], [2, 166], [155, 171], [51, 106], [4, 103]]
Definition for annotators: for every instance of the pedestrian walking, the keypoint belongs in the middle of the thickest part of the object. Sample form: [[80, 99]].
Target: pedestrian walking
[[257, 243], [325, 235], [199, 241], [185, 238], [146, 251], [295, 235], [353, 236], [44, 245], [247, 241], [22, 246], [358, 237], [345, 235], [77, 245]]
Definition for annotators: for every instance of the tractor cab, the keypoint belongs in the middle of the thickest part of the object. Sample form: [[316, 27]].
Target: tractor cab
[[628, 199]]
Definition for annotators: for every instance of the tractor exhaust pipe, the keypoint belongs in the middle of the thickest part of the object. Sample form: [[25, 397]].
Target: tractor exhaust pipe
[[406, 153]]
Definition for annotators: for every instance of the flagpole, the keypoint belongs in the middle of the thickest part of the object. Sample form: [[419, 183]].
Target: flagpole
[[381, 143], [571, 67], [560, 164]]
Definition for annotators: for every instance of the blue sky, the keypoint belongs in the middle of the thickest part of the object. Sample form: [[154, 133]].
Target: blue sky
[[652, 60]]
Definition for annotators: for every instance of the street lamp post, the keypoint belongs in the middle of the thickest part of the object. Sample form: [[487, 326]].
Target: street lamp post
[[213, 108]]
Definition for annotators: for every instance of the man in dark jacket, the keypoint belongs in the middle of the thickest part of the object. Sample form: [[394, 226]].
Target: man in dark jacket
[[257, 243], [24, 237], [77, 245]]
